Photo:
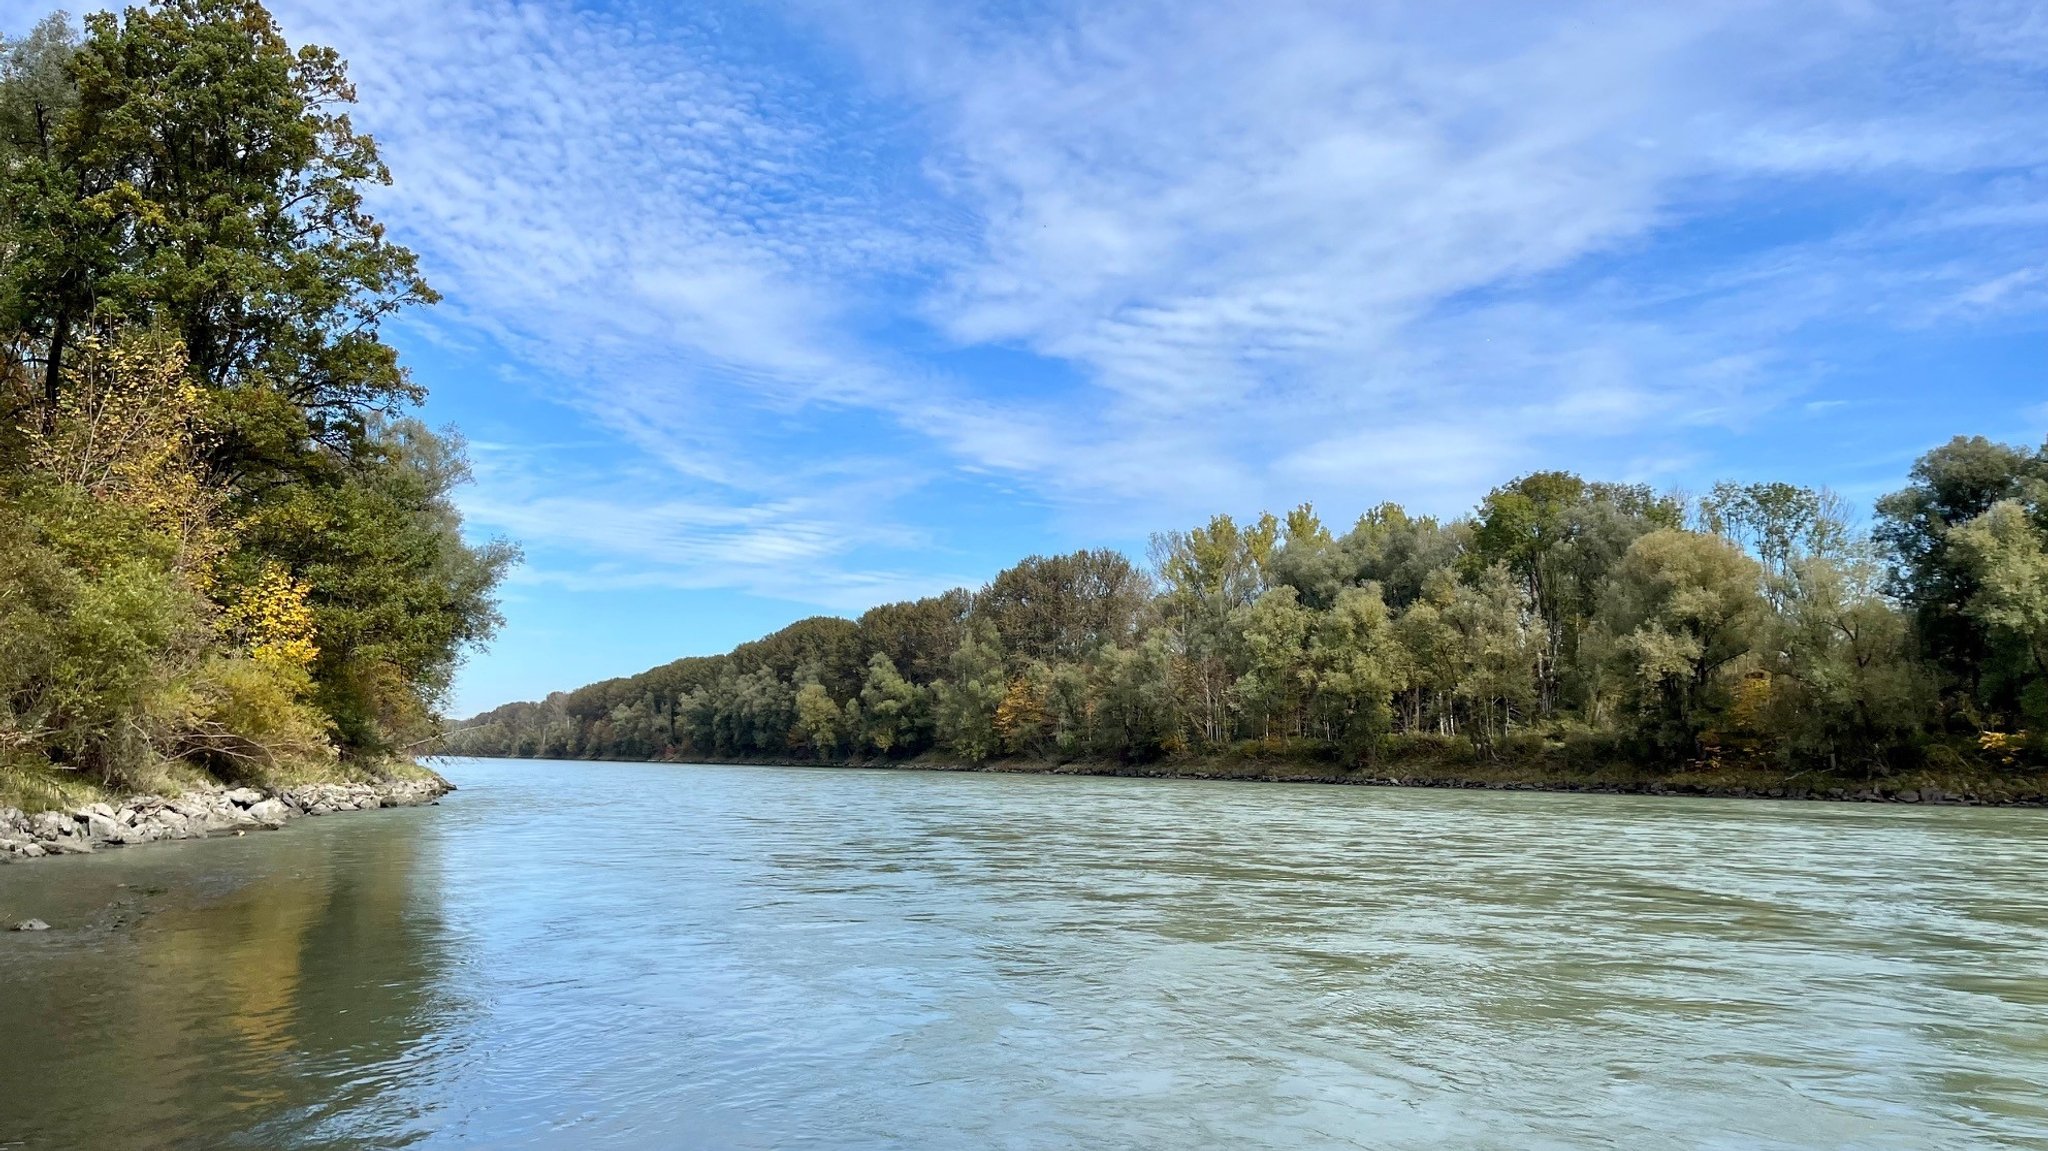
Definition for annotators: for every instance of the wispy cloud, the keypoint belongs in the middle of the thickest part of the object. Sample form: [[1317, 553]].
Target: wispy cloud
[[669, 241], [1293, 242], [1260, 252]]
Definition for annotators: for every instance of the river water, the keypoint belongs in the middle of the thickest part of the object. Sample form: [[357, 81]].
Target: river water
[[625, 956]]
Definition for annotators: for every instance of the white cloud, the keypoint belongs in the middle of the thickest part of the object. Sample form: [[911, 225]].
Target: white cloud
[[1293, 249], [1259, 228], [666, 241], [808, 549]]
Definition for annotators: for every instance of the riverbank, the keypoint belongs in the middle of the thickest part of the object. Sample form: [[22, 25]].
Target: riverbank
[[1962, 788], [1961, 785], [198, 814]]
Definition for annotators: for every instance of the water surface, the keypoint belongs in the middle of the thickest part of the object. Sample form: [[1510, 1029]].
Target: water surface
[[613, 955]]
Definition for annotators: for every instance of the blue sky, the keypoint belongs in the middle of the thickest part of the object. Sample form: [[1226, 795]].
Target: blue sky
[[761, 310]]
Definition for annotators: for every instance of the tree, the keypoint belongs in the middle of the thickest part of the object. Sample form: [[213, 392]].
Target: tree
[[1208, 573], [824, 647], [179, 188], [1024, 719], [397, 594], [1358, 667], [204, 176], [891, 707], [2005, 552], [1952, 486], [1436, 661], [115, 659], [1781, 524], [818, 720], [1847, 691], [1683, 608], [966, 701], [1134, 710], [1277, 675], [1060, 608], [1497, 643], [1561, 536], [917, 636]]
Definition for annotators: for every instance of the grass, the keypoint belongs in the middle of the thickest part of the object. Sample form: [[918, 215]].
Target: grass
[[36, 787]]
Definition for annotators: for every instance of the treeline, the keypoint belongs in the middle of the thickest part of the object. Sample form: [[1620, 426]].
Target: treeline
[[1755, 626], [222, 543]]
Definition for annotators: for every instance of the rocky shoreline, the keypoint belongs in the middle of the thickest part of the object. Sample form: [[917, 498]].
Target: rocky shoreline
[[197, 814]]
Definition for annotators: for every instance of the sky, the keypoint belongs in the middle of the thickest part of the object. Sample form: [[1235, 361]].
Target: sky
[[760, 310]]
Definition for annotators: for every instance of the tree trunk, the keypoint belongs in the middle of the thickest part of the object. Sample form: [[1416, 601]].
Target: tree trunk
[[53, 371]]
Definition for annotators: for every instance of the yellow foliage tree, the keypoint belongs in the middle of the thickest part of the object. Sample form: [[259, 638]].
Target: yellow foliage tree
[[1022, 716], [125, 432], [273, 620]]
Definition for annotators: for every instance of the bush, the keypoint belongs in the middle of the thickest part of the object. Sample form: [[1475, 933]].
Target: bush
[[95, 632], [1429, 748], [247, 722], [1284, 749], [1588, 747]]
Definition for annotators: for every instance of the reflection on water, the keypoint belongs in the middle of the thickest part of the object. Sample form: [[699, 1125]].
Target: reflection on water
[[625, 956], [260, 991]]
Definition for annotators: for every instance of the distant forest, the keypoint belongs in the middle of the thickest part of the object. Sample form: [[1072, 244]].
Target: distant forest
[[1755, 626]]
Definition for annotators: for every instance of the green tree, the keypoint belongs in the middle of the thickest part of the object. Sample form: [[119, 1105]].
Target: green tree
[[1208, 574], [398, 595], [1277, 676], [1848, 692], [1781, 524], [1683, 607], [1561, 537], [967, 700], [891, 707], [1497, 643], [204, 176], [1132, 705], [180, 175], [1436, 660], [918, 636], [2005, 551], [1386, 546], [1358, 665], [1060, 608], [818, 721], [1951, 486]]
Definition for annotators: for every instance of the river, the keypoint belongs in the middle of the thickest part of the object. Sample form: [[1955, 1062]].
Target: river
[[626, 956]]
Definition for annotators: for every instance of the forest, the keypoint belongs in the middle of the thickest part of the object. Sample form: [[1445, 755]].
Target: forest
[[1758, 626], [227, 549]]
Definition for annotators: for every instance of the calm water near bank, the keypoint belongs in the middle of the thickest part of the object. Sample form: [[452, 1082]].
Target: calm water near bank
[[618, 955]]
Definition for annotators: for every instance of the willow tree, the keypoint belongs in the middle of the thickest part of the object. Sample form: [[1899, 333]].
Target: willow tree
[[1684, 607]]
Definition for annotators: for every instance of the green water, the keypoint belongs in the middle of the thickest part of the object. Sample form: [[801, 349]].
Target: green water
[[614, 956]]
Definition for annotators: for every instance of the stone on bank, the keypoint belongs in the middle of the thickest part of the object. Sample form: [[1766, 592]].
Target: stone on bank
[[196, 815]]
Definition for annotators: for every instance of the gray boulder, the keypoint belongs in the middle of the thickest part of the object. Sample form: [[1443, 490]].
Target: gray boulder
[[51, 824]]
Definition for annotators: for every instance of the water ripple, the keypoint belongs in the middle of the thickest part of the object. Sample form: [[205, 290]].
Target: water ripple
[[627, 956]]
